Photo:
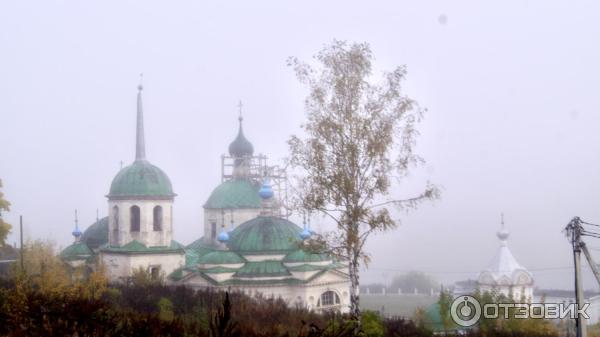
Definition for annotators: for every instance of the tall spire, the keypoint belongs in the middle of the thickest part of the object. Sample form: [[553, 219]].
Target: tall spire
[[140, 144]]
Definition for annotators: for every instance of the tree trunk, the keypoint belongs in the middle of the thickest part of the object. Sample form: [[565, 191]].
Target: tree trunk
[[354, 290]]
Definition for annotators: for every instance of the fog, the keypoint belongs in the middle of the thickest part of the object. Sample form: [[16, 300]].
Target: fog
[[512, 124]]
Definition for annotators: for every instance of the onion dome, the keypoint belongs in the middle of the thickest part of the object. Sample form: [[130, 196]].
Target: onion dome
[[264, 235], [141, 179], [223, 236], [265, 191], [234, 194], [305, 234], [221, 257], [76, 232], [241, 147], [96, 234]]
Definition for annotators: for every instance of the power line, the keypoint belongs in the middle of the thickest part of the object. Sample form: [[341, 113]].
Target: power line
[[464, 272]]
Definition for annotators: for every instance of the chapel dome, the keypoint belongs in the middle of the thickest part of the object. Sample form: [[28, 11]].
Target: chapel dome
[[96, 234], [141, 179], [234, 194], [265, 234]]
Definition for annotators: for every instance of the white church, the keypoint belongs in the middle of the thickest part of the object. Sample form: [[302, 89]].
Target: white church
[[248, 243], [502, 276]]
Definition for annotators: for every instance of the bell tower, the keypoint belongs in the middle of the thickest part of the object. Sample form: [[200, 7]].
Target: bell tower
[[140, 201]]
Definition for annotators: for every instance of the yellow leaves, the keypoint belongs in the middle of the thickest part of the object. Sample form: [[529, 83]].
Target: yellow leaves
[[4, 226], [95, 285]]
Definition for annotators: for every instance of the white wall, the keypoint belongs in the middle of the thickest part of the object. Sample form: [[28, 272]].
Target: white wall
[[305, 294], [147, 235], [215, 215], [120, 266]]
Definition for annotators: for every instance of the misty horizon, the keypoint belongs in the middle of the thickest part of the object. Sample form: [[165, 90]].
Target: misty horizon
[[509, 128]]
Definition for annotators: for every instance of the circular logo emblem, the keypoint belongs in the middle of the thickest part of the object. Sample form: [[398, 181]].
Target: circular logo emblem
[[465, 310]]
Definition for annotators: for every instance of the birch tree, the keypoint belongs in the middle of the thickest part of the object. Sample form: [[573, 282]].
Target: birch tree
[[359, 138]]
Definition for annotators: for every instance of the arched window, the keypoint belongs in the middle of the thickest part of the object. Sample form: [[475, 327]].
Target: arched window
[[157, 218], [328, 298], [115, 215], [213, 230], [135, 218]]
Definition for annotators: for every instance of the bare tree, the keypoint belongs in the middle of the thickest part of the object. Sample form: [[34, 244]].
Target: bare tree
[[359, 137]]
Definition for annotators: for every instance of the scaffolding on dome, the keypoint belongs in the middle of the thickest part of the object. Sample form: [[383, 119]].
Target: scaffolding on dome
[[258, 169]]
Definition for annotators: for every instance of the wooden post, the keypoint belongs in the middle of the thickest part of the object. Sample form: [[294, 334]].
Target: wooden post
[[21, 250]]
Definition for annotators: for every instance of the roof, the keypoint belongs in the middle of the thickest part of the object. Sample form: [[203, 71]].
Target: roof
[[141, 180], [96, 235], [219, 270], [201, 246], [234, 194], [262, 269], [301, 255], [256, 273], [221, 257], [307, 267], [265, 234], [136, 247], [76, 251], [504, 265]]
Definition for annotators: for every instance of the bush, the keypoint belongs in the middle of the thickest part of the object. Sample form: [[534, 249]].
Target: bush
[[372, 325]]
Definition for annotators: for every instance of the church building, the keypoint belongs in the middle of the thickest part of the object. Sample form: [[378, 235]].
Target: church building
[[249, 245], [504, 275]]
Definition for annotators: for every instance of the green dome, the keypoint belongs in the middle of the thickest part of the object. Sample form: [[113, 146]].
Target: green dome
[[265, 234], [304, 256], [221, 257], [141, 179], [97, 234], [76, 251], [234, 194]]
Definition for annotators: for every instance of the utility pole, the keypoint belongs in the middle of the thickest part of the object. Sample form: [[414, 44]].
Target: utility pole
[[21, 250], [574, 230]]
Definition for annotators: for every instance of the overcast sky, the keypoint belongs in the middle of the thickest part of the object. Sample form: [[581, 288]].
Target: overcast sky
[[512, 123]]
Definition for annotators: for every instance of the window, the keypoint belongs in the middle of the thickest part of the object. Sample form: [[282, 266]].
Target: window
[[328, 298], [213, 230], [116, 218], [154, 273], [157, 218], [135, 218]]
